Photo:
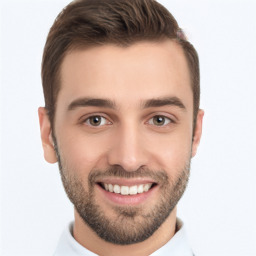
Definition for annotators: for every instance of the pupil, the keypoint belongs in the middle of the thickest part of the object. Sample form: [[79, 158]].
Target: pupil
[[159, 120], [95, 120]]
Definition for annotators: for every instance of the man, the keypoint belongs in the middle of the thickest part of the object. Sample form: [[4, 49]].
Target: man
[[122, 118]]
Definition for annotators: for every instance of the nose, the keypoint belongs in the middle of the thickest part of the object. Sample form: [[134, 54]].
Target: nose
[[127, 149]]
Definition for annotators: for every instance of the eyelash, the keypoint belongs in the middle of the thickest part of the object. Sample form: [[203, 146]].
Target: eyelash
[[88, 119], [166, 120]]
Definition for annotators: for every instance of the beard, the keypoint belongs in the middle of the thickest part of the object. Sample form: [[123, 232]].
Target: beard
[[131, 224]]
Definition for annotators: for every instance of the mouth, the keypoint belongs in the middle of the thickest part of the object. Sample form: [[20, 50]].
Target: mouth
[[127, 190]]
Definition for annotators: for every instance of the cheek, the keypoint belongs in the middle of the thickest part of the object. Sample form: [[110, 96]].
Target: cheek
[[173, 152], [82, 152]]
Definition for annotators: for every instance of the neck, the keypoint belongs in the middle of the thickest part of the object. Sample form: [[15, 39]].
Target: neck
[[85, 236]]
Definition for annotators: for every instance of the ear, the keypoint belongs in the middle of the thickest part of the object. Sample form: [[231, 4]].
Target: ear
[[46, 136], [197, 131]]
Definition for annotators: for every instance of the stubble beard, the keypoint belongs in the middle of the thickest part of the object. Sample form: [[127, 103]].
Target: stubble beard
[[131, 224]]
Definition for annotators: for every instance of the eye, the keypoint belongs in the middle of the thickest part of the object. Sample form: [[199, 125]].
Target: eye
[[160, 120], [96, 121]]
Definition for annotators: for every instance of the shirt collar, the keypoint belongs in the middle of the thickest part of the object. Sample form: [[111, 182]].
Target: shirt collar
[[177, 246]]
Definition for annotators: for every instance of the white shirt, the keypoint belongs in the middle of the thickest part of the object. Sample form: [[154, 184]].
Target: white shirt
[[177, 246]]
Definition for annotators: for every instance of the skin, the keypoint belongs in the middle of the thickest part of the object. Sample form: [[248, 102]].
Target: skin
[[128, 136]]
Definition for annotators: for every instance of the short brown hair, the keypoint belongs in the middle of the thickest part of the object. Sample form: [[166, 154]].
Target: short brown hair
[[86, 23]]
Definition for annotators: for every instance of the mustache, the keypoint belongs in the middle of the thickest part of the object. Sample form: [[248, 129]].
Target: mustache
[[159, 176]]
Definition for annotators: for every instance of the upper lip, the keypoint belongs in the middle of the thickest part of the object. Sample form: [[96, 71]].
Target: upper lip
[[125, 182]]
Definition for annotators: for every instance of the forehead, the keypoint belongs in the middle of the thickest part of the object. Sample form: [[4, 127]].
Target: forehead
[[126, 74]]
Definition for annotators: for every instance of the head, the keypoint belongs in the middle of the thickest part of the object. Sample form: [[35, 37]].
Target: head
[[83, 24], [121, 87]]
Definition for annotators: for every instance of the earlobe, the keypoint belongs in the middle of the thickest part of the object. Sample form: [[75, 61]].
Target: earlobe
[[197, 132], [46, 136]]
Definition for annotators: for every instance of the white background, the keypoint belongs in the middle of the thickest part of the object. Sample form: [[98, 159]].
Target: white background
[[219, 206]]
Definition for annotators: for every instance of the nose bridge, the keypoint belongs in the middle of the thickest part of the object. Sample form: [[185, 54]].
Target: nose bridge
[[127, 150]]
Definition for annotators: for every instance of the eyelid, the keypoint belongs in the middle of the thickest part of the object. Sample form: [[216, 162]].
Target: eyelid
[[86, 117], [171, 117], [102, 119], [168, 116], [169, 120]]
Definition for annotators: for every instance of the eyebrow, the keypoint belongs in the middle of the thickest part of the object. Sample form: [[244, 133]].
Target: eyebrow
[[106, 103], [91, 102], [167, 101]]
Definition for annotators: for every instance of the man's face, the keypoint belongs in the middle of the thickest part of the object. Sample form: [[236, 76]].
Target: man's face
[[123, 136]]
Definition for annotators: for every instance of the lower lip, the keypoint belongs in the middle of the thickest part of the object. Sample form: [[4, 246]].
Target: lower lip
[[128, 199]]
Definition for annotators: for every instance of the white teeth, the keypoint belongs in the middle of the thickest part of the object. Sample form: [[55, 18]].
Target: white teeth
[[147, 187], [140, 189], [110, 188], [133, 190], [117, 189], [125, 190]]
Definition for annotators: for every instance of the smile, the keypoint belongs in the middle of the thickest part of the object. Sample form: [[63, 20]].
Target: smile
[[127, 190]]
